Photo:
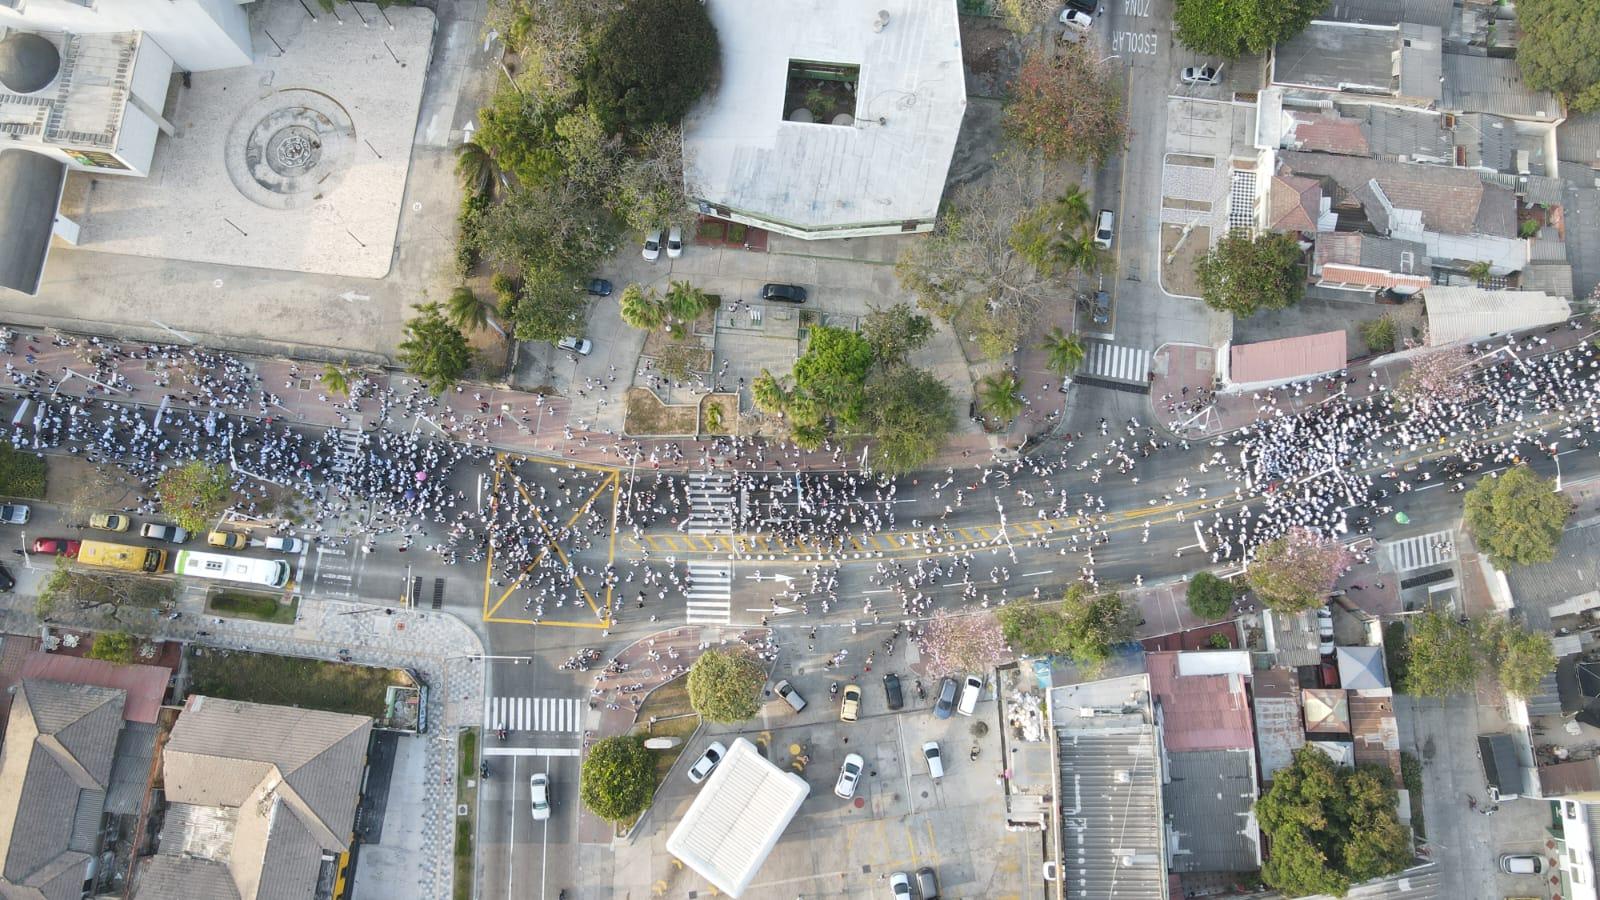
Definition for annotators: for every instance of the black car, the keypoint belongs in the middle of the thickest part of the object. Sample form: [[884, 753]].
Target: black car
[[1086, 6], [891, 691], [599, 287], [6, 581], [947, 698], [783, 293]]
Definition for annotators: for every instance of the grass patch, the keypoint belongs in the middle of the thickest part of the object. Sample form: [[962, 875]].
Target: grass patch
[[463, 873], [1411, 774], [247, 605], [292, 681], [469, 753], [669, 705], [719, 413], [711, 230], [21, 474], [467, 749], [648, 415]]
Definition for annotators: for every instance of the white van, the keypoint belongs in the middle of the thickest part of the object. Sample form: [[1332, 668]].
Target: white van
[[970, 692]]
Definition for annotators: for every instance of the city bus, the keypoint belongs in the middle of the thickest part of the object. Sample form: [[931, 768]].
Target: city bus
[[106, 555], [226, 567]]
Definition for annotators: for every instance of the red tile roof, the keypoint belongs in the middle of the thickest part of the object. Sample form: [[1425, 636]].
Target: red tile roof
[[1296, 357], [1295, 202], [1200, 712], [1330, 134], [145, 685]]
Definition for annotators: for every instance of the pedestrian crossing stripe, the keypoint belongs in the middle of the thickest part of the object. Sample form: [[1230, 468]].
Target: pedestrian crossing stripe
[[1422, 551], [709, 600], [711, 503], [563, 715], [1117, 362]]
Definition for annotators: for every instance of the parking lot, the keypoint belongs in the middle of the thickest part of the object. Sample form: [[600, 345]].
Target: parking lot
[[900, 818]]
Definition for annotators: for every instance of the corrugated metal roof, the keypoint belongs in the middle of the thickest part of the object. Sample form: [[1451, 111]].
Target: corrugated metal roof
[[1199, 712], [1408, 135], [737, 818], [1468, 313], [1486, 84], [1578, 139], [1375, 732], [1286, 358], [1574, 571], [1389, 12], [1209, 797], [1279, 732]]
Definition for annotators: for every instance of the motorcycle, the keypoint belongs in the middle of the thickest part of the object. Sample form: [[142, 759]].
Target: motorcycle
[[922, 692], [483, 769], [500, 733]]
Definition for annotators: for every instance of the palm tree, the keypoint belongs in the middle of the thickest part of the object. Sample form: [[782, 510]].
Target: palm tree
[[475, 167], [1000, 395], [1066, 351], [336, 378], [1079, 251], [468, 311], [1073, 207], [640, 308]]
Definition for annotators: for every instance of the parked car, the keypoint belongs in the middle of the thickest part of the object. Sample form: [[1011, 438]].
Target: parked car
[[1087, 6], [930, 752], [674, 242], [947, 698], [539, 794], [578, 345], [1201, 75], [891, 691], [14, 513], [228, 540], [708, 760], [970, 692], [790, 696], [1104, 228], [109, 522], [285, 544], [849, 776], [56, 547], [6, 581], [1076, 18], [652, 245], [1325, 631], [900, 886], [1102, 308], [928, 883], [170, 533], [1521, 863], [599, 287], [850, 709], [783, 293]]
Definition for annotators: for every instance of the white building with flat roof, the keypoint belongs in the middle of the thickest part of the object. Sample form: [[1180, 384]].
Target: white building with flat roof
[[736, 820], [832, 118]]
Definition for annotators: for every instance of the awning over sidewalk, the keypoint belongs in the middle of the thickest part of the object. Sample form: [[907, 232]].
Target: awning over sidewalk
[[1288, 359], [1468, 313]]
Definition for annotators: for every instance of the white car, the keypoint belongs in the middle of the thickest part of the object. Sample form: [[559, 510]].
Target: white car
[[1104, 228], [1325, 631], [900, 886], [14, 513], [578, 345], [285, 544], [1201, 75], [1076, 18], [849, 776], [539, 792], [171, 533], [930, 752], [971, 693], [652, 245], [674, 242], [708, 760]]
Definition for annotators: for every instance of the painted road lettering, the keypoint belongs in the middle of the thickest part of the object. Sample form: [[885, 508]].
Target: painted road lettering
[[1133, 42]]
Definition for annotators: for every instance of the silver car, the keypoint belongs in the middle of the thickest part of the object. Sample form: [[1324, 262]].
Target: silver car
[[1201, 75], [14, 513], [539, 793], [170, 533]]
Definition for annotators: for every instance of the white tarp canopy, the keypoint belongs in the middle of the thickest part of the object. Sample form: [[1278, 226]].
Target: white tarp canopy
[[1468, 313], [737, 819]]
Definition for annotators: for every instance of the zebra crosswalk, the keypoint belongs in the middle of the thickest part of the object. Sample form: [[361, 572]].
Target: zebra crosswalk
[[712, 504], [1117, 362], [349, 450], [710, 596], [1422, 551], [563, 715]]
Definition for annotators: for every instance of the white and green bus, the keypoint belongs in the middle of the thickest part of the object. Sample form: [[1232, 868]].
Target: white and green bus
[[226, 567]]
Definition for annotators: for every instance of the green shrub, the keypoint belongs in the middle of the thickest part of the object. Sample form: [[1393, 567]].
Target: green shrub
[[22, 474]]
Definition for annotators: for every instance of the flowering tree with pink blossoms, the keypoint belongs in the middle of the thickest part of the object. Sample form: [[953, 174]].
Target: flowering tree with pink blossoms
[[1437, 378], [971, 642], [1295, 572]]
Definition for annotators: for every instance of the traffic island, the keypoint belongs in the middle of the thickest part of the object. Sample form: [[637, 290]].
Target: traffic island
[[466, 813]]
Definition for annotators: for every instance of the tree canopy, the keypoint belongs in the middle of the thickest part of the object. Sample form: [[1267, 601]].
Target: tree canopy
[[1560, 49], [910, 417], [1242, 275], [650, 63], [894, 332], [434, 350], [1232, 28], [113, 647], [1330, 827], [964, 642], [1066, 105], [1296, 572], [79, 589], [1083, 626], [725, 687], [1209, 597], [1519, 658], [195, 493], [1445, 655], [1517, 518], [617, 778]]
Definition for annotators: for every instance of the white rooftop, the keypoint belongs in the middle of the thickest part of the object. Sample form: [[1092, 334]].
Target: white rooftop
[[887, 166], [736, 820], [1468, 313]]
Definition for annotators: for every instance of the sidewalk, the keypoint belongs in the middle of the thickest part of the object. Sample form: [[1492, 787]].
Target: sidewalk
[[1185, 372], [434, 645]]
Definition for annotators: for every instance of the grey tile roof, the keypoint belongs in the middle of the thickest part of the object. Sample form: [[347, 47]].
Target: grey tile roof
[[1574, 571], [1333, 56], [1450, 200], [54, 768], [164, 877], [1209, 795], [1406, 135], [1578, 140], [1489, 141], [1389, 12], [130, 768], [1485, 84]]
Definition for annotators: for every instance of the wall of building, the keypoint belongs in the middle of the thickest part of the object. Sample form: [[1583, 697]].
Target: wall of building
[[199, 34], [152, 74], [136, 142]]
